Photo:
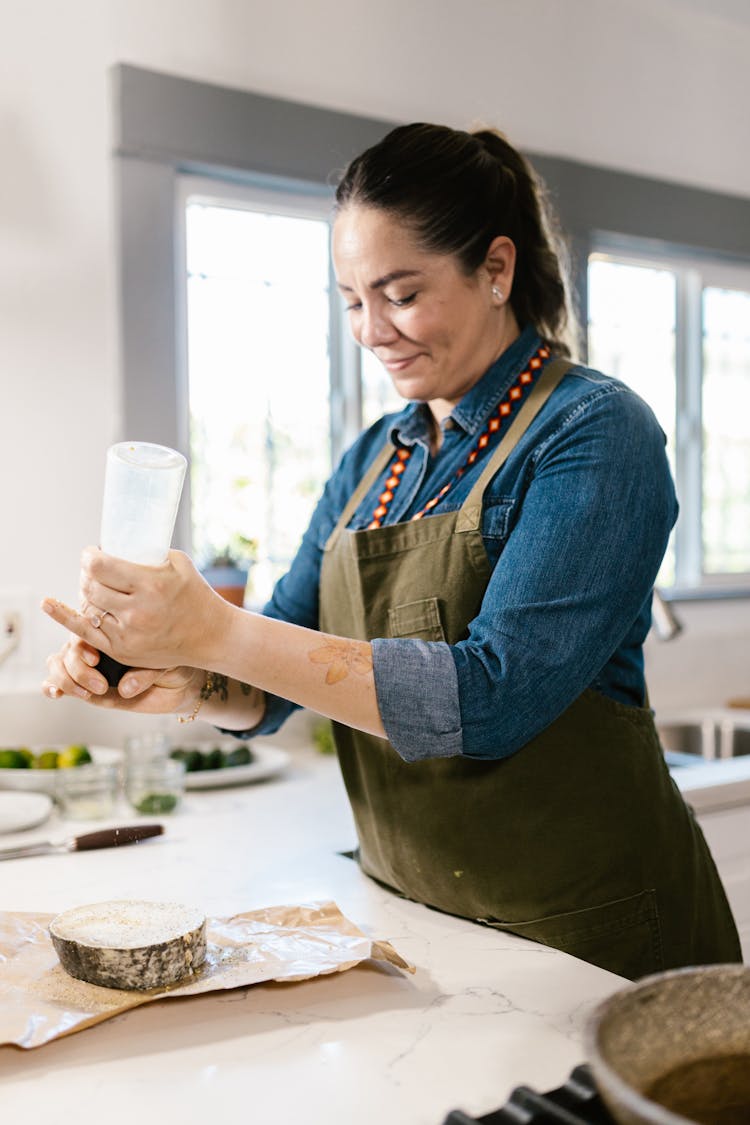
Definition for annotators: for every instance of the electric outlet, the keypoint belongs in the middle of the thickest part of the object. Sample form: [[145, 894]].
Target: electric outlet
[[15, 627]]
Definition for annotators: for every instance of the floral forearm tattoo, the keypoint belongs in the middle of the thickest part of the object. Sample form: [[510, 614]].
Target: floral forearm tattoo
[[343, 657]]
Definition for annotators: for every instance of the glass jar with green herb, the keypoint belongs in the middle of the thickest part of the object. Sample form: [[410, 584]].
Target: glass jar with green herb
[[155, 786]]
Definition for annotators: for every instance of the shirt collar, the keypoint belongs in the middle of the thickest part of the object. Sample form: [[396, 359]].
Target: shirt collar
[[477, 404]]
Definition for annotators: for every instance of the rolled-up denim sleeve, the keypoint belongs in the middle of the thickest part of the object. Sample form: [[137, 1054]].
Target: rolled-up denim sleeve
[[416, 685]]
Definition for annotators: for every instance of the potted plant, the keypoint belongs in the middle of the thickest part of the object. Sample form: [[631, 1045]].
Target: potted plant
[[228, 567]]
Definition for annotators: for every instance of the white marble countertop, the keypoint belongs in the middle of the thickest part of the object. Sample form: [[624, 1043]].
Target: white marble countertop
[[484, 1012]]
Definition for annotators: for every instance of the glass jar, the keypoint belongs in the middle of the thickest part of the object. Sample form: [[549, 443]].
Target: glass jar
[[87, 792], [145, 746], [154, 785]]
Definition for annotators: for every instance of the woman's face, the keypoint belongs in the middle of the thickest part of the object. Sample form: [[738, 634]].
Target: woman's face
[[435, 329]]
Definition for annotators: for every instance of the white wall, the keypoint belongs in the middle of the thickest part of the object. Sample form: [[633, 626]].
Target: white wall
[[659, 87]]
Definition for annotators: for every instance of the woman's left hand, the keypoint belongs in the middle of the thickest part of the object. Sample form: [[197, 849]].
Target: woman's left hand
[[146, 616]]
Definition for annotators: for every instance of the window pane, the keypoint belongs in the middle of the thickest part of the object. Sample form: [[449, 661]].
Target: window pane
[[631, 335], [726, 433], [379, 396], [258, 316]]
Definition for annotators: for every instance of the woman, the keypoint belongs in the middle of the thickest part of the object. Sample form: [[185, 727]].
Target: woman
[[471, 598]]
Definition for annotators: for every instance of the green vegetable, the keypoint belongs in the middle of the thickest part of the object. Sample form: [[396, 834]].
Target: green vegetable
[[240, 756], [156, 803], [214, 759], [323, 737], [193, 759]]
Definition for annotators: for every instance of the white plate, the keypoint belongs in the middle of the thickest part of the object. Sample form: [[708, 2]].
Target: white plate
[[23, 810], [43, 781], [267, 762]]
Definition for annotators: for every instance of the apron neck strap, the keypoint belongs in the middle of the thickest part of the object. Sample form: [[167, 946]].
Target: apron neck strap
[[382, 460], [471, 511], [470, 514]]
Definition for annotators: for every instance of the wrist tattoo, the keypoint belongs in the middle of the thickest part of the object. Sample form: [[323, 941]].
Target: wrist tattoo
[[215, 684], [246, 689], [212, 684], [343, 657]]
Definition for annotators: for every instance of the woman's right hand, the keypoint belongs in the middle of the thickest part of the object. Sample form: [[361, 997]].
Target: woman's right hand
[[160, 691]]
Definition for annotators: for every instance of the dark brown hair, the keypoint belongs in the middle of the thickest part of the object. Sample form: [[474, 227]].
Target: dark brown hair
[[458, 191]]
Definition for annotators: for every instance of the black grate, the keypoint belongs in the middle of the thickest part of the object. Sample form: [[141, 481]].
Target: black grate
[[577, 1102]]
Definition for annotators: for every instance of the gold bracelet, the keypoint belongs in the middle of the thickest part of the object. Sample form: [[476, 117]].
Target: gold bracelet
[[203, 695], [214, 684]]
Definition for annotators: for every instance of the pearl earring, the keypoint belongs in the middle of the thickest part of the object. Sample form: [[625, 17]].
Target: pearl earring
[[496, 293]]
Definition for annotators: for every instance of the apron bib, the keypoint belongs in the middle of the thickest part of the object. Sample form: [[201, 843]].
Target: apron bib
[[580, 840]]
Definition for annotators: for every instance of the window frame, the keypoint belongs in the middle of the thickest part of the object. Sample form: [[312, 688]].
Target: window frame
[[693, 273]]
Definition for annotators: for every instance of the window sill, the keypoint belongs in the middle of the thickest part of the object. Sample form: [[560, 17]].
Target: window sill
[[705, 593]]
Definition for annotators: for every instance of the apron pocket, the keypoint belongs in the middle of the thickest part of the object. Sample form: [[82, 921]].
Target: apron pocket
[[416, 619], [623, 936]]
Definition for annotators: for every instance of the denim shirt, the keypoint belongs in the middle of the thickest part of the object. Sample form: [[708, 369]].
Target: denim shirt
[[575, 525]]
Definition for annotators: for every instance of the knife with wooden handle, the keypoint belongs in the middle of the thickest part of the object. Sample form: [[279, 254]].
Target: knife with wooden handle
[[104, 838]]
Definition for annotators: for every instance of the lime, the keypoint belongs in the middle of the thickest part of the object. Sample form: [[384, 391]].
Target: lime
[[46, 760], [75, 755], [13, 760], [240, 756], [28, 757]]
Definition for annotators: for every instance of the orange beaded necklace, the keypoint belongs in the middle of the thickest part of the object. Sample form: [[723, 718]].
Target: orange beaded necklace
[[501, 412]]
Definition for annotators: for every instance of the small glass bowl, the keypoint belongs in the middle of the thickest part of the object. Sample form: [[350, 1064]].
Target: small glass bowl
[[87, 792], [155, 786]]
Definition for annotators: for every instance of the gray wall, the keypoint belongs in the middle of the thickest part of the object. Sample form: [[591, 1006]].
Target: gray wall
[[165, 126]]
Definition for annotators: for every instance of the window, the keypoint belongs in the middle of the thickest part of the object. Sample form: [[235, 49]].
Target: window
[[275, 386], [678, 331]]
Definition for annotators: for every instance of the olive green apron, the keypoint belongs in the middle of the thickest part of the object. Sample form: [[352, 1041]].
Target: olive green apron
[[581, 839]]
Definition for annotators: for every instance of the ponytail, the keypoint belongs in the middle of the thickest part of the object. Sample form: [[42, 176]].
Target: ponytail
[[458, 191]]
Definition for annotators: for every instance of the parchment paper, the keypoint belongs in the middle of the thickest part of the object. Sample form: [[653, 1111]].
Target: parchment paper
[[39, 1001]]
